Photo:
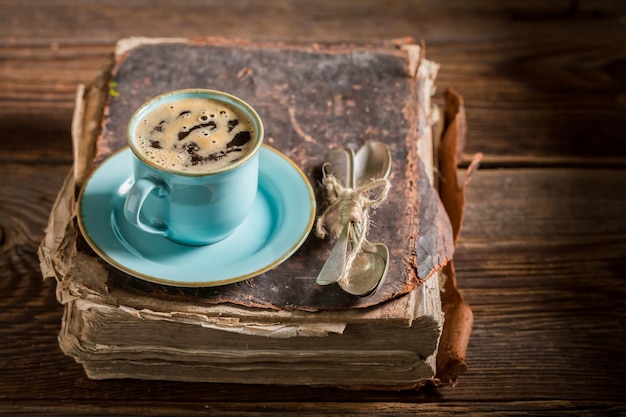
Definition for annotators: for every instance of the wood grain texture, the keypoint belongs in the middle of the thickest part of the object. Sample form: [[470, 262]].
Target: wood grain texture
[[541, 257], [348, 409]]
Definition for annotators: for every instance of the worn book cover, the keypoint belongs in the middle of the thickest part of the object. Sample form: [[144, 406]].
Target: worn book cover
[[311, 98]]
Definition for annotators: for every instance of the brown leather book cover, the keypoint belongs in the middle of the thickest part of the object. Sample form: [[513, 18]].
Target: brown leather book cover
[[311, 98]]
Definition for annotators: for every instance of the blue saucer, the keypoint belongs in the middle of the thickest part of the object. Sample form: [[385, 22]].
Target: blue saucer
[[278, 224]]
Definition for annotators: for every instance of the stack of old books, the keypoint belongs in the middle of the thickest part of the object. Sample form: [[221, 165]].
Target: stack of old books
[[279, 327]]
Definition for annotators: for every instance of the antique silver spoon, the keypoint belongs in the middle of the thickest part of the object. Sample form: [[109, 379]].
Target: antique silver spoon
[[372, 161]]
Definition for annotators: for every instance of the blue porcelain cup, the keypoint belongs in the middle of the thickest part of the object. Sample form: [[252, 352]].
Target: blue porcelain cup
[[184, 189]]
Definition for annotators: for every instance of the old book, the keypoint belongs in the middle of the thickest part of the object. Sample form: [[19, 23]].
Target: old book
[[279, 327]]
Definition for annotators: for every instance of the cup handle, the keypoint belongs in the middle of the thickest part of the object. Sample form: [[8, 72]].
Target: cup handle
[[134, 202]]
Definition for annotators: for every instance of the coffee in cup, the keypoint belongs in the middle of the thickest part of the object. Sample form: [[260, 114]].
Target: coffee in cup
[[195, 134], [195, 165]]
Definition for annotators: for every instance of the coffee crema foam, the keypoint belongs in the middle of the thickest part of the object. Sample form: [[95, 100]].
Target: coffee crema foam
[[194, 135]]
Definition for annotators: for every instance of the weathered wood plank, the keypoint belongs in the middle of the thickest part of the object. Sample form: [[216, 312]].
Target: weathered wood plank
[[347, 409], [546, 207], [293, 19]]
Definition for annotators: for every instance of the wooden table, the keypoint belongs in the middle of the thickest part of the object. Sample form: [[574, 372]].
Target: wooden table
[[542, 257]]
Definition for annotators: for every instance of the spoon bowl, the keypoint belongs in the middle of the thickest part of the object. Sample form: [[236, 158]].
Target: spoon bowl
[[368, 270], [371, 161]]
